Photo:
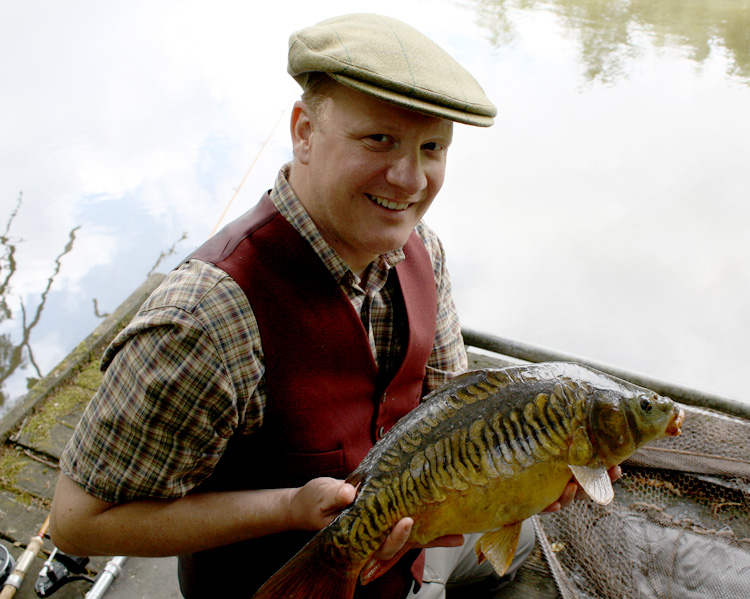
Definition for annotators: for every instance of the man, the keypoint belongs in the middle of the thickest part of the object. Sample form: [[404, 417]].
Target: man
[[263, 369]]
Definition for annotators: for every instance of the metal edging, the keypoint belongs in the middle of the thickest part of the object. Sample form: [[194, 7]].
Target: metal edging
[[679, 393]]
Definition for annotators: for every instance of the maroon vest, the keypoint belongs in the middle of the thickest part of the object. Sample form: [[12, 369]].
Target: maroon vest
[[327, 404]]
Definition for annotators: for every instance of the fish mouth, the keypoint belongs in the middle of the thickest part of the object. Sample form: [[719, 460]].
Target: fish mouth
[[674, 427]]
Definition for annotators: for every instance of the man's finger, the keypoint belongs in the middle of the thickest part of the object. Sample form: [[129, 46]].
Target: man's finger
[[346, 494], [396, 539]]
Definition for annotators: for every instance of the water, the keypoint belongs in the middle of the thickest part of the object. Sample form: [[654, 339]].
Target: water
[[605, 214]]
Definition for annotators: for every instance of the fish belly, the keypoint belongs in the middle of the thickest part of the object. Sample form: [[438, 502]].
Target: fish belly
[[500, 502]]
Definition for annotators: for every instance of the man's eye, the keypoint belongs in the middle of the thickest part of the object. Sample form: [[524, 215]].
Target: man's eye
[[379, 137], [433, 146]]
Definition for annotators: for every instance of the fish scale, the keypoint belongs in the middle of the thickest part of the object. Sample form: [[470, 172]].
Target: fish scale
[[481, 454]]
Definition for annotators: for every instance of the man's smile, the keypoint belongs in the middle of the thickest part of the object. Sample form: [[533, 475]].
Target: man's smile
[[387, 203]]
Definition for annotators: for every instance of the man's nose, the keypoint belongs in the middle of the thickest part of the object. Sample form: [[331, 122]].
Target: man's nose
[[408, 173]]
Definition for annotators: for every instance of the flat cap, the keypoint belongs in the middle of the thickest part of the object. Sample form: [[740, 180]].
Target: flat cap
[[391, 61]]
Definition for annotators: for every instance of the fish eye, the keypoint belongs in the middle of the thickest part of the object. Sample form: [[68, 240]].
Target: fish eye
[[646, 405]]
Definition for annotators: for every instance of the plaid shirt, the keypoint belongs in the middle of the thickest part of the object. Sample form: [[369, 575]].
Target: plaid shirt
[[188, 372]]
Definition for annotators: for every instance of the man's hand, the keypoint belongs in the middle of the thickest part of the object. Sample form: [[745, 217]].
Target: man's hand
[[399, 536], [574, 491], [315, 505]]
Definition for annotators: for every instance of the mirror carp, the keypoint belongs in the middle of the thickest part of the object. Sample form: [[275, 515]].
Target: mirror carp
[[483, 453]]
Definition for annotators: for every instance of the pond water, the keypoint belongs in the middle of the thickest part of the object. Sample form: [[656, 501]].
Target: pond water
[[605, 214]]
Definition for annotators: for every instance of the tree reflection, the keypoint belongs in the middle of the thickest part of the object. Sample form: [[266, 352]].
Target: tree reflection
[[611, 31], [162, 257], [19, 354], [166, 254]]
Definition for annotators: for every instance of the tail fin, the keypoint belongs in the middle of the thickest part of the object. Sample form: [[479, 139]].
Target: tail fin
[[306, 576]]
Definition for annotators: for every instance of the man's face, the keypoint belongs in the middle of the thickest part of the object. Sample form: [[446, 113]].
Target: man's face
[[367, 171]]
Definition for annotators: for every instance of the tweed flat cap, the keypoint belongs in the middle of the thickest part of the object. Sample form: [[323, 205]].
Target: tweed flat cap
[[391, 61]]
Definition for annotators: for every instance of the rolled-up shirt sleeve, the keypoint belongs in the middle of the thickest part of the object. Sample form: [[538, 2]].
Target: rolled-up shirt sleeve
[[168, 405]]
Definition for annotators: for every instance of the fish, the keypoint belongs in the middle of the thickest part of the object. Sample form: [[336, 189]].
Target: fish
[[483, 453]]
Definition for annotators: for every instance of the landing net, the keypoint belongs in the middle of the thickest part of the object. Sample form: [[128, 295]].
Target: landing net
[[679, 526]]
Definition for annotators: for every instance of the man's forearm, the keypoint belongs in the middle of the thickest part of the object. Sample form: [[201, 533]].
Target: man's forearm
[[84, 525]]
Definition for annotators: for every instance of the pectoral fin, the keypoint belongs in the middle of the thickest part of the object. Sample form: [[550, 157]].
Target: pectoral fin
[[595, 481], [499, 547]]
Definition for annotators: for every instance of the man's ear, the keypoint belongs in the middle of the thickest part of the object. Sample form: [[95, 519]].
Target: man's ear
[[302, 128]]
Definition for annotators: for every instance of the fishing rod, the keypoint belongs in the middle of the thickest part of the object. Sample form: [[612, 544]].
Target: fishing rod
[[14, 581], [106, 577], [58, 570], [247, 173]]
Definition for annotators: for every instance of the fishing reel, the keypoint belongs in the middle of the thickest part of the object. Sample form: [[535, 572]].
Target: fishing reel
[[59, 570], [7, 563]]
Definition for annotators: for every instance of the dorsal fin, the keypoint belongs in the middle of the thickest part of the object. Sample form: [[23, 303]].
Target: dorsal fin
[[357, 476]]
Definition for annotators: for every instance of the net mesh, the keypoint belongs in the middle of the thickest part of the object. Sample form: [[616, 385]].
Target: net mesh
[[679, 525]]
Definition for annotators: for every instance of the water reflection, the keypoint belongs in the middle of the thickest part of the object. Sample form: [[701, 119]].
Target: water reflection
[[31, 306], [166, 254], [658, 150], [612, 33], [16, 352]]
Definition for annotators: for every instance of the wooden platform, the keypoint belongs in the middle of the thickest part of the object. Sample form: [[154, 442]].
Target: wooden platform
[[33, 435], [35, 432]]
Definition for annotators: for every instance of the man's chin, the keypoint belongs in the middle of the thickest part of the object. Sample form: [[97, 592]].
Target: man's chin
[[393, 244]]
